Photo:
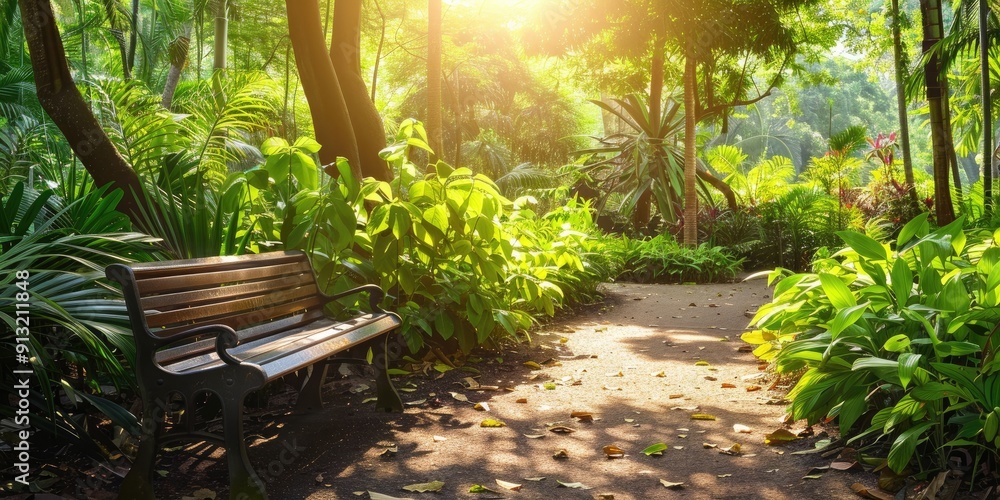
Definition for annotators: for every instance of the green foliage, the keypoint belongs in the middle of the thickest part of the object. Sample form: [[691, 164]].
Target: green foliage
[[896, 339], [80, 341], [663, 260], [643, 159], [462, 264]]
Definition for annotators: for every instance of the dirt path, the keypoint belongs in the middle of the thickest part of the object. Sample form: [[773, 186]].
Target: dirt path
[[633, 363]]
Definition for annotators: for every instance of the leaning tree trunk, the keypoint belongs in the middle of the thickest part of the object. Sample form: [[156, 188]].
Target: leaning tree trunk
[[345, 53], [59, 97], [178, 51], [933, 31], [331, 118], [690, 158], [904, 119], [434, 123]]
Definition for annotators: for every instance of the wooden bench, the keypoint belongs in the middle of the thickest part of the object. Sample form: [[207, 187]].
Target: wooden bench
[[227, 326]]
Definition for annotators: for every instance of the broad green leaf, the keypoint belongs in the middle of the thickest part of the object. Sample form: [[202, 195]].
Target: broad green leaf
[[847, 317], [908, 363], [902, 449], [838, 293], [307, 144], [933, 391], [864, 245], [273, 145], [897, 343], [916, 228], [902, 281]]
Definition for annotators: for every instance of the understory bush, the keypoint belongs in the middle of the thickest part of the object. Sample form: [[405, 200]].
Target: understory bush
[[663, 260], [462, 264], [897, 340]]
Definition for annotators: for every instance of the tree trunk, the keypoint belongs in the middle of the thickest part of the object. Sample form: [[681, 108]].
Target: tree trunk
[[933, 31], [345, 53], [984, 55], [60, 98], [221, 42], [434, 34], [133, 36], [721, 185], [643, 212], [690, 156], [331, 119], [178, 59], [904, 119]]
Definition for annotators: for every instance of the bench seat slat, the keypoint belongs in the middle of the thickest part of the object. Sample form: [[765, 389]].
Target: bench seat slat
[[171, 354], [177, 300], [283, 353], [185, 282]]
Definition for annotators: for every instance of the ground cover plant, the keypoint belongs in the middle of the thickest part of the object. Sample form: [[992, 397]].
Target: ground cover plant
[[896, 339]]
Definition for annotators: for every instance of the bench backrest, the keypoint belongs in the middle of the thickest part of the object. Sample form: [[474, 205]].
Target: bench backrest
[[257, 295]]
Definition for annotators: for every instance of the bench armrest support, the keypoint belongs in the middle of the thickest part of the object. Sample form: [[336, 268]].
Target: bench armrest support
[[375, 296]]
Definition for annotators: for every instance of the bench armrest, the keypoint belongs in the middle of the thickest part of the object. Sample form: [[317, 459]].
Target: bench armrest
[[225, 338], [375, 296]]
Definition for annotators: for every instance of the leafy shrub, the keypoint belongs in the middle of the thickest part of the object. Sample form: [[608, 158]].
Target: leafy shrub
[[462, 264], [80, 340], [663, 260], [900, 340]]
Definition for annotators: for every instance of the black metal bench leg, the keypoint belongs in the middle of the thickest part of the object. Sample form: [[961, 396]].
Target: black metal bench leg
[[388, 398], [138, 483], [311, 394], [244, 483]]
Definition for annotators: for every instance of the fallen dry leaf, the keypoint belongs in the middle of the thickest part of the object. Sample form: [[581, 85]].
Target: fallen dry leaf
[[509, 486], [659, 374], [457, 396], [779, 437], [582, 416], [578, 486], [752, 388], [522, 400], [863, 492], [845, 466], [533, 365], [671, 486], [534, 436], [425, 487], [732, 450], [562, 429], [741, 429], [728, 386], [701, 363], [319, 477], [561, 454], [492, 423], [612, 451], [708, 446], [484, 406], [541, 478], [374, 495], [440, 438], [702, 416]]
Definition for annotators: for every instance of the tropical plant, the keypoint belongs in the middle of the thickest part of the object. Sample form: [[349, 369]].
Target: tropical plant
[[80, 342], [663, 260], [642, 162], [898, 337]]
